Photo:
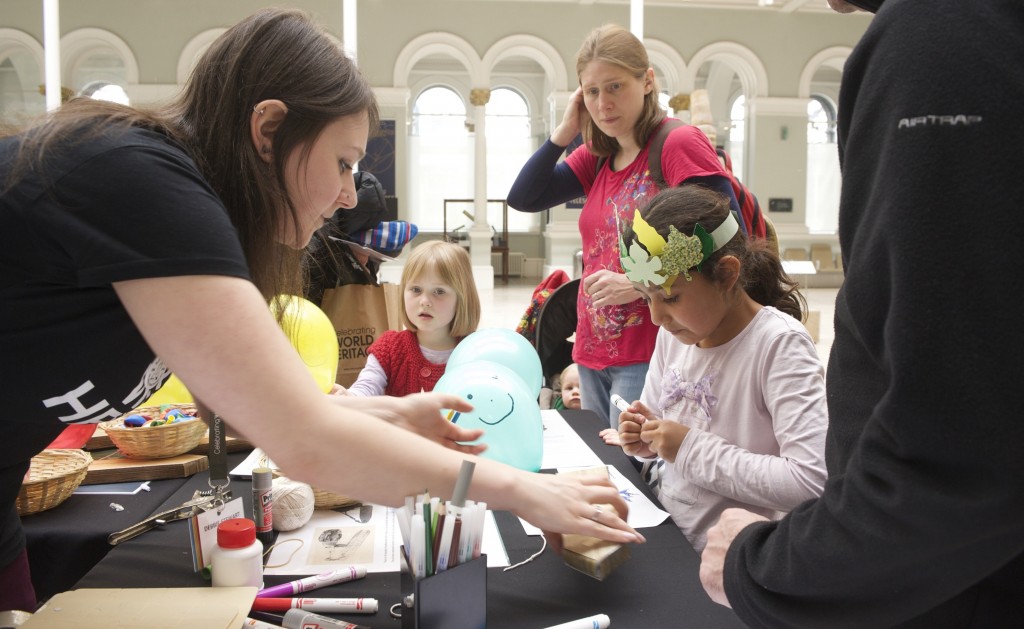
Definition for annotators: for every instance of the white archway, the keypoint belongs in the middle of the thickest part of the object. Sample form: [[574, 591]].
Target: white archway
[[742, 60], [20, 96], [12, 41], [77, 45], [671, 65], [834, 58], [193, 50], [533, 48], [445, 44]]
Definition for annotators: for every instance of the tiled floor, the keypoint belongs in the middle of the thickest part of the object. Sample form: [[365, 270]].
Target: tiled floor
[[503, 307]]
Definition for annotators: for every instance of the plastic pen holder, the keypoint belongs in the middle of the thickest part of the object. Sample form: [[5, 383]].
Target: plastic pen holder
[[456, 597]]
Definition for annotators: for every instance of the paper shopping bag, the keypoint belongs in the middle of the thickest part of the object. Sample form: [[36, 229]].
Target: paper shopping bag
[[360, 313]]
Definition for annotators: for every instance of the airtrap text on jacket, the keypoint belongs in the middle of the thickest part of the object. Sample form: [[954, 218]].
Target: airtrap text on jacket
[[933, 120]]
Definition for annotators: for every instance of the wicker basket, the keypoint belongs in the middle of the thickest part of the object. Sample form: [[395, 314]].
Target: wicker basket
[[324, 499], [156, 442], [53, 475]]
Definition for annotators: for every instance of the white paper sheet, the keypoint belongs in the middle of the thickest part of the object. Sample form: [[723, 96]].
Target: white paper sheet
[[366, 536], [562, 446], [255, 459]]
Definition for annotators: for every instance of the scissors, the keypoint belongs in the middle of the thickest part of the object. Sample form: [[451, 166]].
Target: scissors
[[200, 501]]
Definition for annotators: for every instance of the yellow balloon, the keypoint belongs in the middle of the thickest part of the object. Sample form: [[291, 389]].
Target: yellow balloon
[[173, 392], [311, 332]]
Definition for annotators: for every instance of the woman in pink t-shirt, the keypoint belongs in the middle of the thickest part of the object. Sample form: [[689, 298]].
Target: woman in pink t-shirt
[[616, 109]]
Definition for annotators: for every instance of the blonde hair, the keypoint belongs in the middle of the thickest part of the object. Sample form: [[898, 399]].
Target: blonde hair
[[452, 264], [617, 46]]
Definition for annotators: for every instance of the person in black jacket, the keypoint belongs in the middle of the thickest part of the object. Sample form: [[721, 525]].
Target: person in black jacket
[[922, 520]]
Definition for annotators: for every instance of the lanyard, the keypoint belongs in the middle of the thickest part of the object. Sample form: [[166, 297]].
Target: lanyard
[[218, 452]]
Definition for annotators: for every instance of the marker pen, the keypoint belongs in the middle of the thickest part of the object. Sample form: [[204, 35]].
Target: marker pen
[[301, 619], [258, 624], [333, 577], [454, 514], [620, 403], [600, 621], [326, 605]]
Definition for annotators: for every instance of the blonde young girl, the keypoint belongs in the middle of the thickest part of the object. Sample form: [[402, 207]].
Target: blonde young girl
[[441, 307], [734, 400]]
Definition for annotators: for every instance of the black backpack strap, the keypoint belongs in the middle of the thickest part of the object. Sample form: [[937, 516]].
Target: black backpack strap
[[654, 154]]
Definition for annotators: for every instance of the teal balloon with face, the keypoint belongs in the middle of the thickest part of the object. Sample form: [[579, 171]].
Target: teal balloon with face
[[502, 406], [505, 347]]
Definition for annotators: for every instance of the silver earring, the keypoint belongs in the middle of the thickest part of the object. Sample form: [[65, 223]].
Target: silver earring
[[258, 111]]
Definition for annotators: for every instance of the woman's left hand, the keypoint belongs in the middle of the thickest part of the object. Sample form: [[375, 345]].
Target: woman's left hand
[[421, 413], [608, 288]]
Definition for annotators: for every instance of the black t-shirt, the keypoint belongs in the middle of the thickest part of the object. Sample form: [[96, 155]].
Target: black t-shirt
[[123, 205]]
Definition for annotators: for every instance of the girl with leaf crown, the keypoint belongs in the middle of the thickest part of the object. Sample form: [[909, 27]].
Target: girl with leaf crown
[[734, 401]]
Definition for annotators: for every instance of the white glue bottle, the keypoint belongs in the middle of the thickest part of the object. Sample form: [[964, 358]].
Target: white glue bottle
[[238, 556]]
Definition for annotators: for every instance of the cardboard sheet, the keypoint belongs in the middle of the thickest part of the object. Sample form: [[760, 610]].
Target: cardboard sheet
[[153, 608]]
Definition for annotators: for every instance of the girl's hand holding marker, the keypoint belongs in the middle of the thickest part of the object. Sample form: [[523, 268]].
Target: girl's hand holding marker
[[630, 426]]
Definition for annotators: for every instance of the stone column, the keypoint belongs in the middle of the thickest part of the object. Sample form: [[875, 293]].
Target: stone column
[[480, 232]]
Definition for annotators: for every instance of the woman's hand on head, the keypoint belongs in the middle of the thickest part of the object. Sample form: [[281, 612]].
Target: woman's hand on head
[[573, 119], [420, 413], [560, 504], [608, 288]]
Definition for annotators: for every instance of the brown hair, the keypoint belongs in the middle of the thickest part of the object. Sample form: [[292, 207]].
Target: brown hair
[[617, 46], [272, 54], [761, 272], [452, 264]]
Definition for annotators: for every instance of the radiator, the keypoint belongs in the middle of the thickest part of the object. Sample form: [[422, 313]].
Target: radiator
[[516, 262]]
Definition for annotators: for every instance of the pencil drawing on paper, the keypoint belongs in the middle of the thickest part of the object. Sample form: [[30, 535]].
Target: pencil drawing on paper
[[352, 545]]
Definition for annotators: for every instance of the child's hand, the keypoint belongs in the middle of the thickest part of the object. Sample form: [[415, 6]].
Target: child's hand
[[663, 437], [631, 423], [610, 437], [337, 389]]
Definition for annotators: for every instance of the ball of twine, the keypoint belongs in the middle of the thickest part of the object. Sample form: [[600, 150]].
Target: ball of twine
[[293, 503]]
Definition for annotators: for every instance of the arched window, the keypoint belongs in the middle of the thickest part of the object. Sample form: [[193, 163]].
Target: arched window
[[823, 180], [441, 152], [737, 134], [509, 145]]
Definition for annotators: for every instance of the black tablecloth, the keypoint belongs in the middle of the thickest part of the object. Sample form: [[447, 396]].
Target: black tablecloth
[[65, 542], [657, 586]]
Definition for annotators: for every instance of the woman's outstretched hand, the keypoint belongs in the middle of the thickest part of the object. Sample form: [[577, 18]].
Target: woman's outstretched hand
[[560, 504], [420, 413]]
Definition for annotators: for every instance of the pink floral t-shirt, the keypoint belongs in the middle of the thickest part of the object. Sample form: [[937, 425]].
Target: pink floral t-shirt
[[624, 335]]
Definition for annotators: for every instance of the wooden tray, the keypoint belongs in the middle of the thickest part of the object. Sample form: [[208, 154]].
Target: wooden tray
[[116, 468]]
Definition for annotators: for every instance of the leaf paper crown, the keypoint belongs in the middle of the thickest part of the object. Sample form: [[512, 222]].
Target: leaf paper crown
[[650, 259]]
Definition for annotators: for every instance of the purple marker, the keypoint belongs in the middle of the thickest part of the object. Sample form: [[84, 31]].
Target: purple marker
[[333, 577]]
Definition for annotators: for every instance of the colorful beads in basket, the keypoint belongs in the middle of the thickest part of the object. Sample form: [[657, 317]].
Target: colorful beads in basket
[[171, 416]]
